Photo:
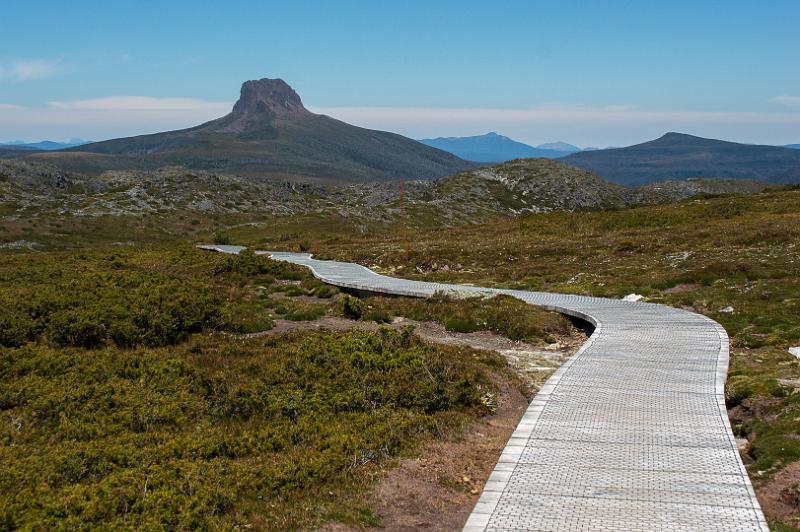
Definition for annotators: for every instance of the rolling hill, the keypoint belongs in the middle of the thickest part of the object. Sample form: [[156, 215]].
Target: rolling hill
[[32, 189], [492, 148], [530, 185], [679, 156], [11, 151], [269, 134], [542, 185]]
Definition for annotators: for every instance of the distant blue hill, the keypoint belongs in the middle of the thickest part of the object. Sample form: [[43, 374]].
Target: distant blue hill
[[563, 147], [46, 145], [793, 146], [677, 156], [492, 148]]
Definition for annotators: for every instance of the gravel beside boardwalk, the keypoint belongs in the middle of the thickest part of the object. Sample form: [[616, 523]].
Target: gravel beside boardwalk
[[630, 434]]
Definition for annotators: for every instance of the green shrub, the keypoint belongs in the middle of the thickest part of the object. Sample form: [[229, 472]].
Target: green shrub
[[317, 288], [131, 297], [737, 389], [259, 268], [352, 307], [325, 291], [462, 325], [305, 312], [222, 239], [291, 290], [377, 315], [503, 315], [282, 432]]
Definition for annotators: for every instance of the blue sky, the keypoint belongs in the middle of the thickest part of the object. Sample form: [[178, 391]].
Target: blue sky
[[591, 73]]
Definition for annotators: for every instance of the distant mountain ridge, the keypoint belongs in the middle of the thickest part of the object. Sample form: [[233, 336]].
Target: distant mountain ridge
[[494, 148], [680, 156], [46, 145], [269, 134], [559, 146]]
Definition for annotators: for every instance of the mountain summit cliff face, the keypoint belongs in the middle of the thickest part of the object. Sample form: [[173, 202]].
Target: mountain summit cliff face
[[269, 134], [272, 96], [263, 101], [261, 104]]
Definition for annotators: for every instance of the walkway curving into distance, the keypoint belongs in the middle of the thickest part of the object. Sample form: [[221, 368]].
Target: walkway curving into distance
[[631, 433]]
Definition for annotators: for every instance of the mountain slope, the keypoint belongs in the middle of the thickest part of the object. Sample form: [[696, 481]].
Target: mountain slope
[[678, 156], [269, 134], [489, 148], [10, 151]]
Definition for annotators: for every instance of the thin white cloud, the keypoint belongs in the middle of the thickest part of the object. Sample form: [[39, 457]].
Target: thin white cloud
[[109, 117], [29, 70], [789, 101], [143, 103], [614, 125], [547, 114]]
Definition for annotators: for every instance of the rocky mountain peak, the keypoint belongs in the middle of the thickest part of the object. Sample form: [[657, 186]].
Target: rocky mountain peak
[[269, 97]]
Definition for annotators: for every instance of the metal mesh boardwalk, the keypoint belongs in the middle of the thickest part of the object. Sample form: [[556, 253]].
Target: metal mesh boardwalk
[[631, 433]]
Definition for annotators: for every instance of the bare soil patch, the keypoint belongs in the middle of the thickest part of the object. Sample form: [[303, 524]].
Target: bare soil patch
[[753, 407], [780, 496], [684, 287]]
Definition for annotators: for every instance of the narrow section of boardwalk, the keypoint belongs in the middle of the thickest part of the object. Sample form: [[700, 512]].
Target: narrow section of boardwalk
[[630, 434]]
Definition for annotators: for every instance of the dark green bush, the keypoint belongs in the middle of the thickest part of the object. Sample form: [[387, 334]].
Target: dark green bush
[[352, 307], [503, 315], [462, 325], [291, 290], [222, 239], [317, 288], [325, 291], [377, 315], [259, 267], [305, 312]]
